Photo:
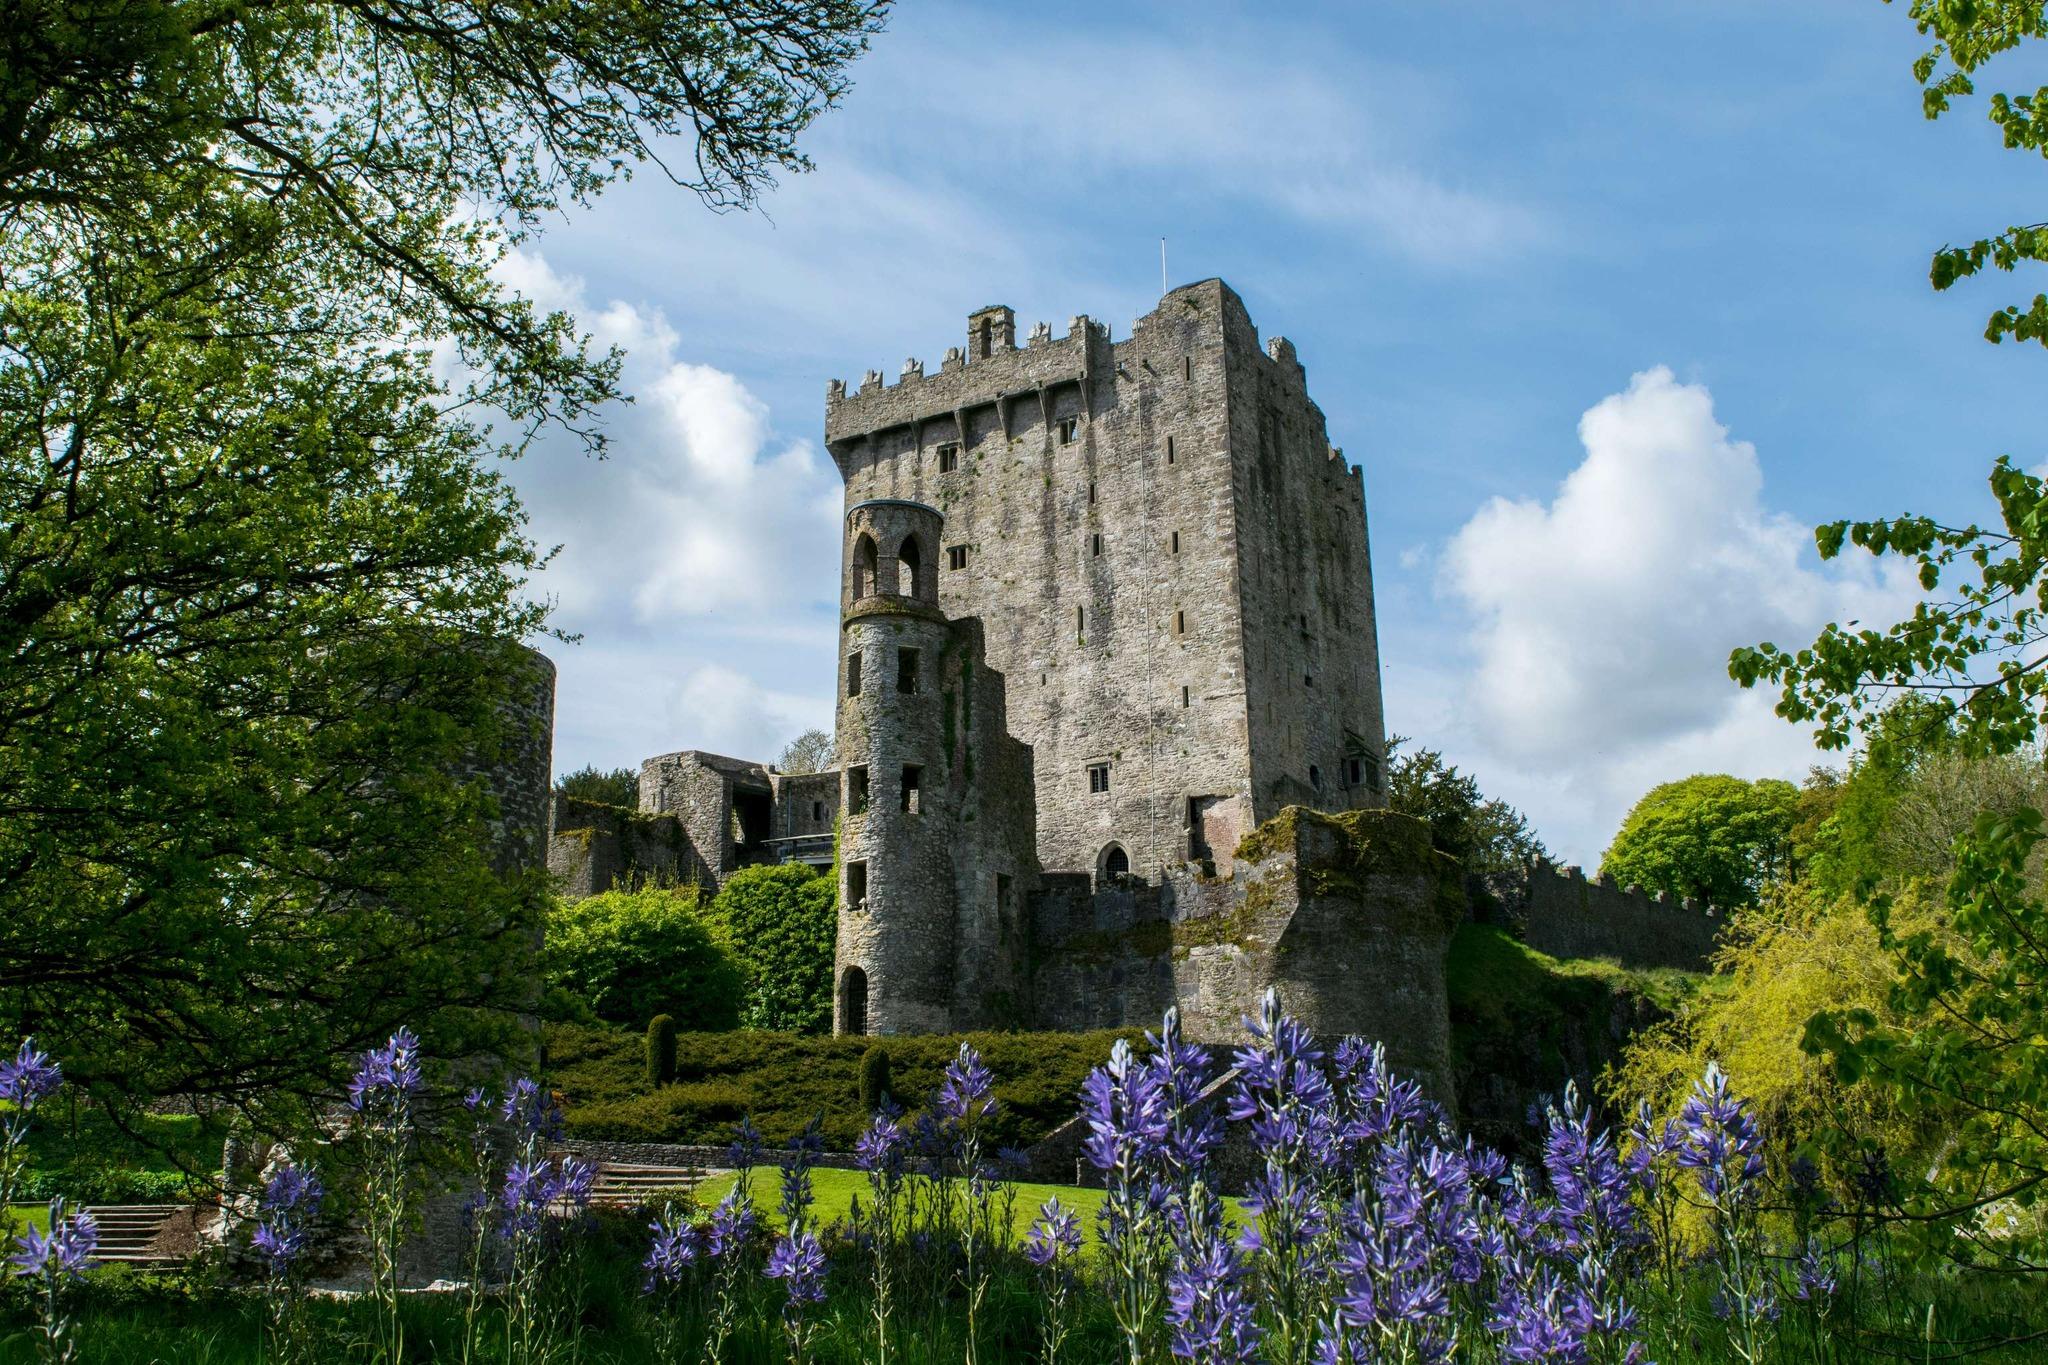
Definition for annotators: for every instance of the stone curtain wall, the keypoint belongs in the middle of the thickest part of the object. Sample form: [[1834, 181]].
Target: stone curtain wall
[[1567, 915], [593, 848]]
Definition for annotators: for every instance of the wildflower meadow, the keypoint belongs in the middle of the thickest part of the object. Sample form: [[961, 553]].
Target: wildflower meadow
[[1315, 1209]]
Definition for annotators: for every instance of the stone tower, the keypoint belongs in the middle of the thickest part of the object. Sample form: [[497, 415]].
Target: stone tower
[[1168, 562]]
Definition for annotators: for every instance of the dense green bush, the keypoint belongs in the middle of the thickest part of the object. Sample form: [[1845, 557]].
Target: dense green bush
[[875, 1083], [661, 1049], [633, 954], [783, 1080], [781, 923]]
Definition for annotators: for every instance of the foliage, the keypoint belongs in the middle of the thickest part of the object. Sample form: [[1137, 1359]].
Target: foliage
[[635, 954], [613, 787], [876, 1086], [784, 1080], [1711, 836], [259, 571], [782, 926], [661, 1050], [1490, 839], [810, 752]]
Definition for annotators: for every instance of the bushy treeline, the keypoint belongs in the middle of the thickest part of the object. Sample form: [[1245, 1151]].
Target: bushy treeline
[[756, 955]]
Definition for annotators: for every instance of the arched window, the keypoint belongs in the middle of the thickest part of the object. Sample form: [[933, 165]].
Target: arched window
[[867, 564], [1116, 866], [909, 567], [853, 1001]]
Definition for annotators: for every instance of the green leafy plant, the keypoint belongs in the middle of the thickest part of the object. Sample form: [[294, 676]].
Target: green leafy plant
[[634, 954], [1712, 836], [782, 926], [875, 1087], [661, 1050]]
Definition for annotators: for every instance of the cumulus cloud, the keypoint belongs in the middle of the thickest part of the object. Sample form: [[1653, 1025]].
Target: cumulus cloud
[[1600, 622]]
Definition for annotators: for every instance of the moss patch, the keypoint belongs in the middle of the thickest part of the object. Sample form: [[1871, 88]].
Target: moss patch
[[1367, 843]]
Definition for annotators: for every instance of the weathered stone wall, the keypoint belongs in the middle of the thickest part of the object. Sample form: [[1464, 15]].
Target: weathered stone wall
[[701, 790], [1094, 492], [806, 803], [593, 848], [1349, 915], [1568, 916]]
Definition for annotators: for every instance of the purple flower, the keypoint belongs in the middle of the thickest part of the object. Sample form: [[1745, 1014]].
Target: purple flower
[[531, 1110], [1126, 1110], [671, 1253], [797, 1195], [745, 1150], [534, 1191], [730, 1228], [60, 1253], [29, 1077], [1720, 1142], [799, 1262], [290, 1202], [882, 1150], [387, 1077], [1055, 1235], [1813, 1275], [966, 1092], [1593, 1188], [1211, 1315], [473, 1099]]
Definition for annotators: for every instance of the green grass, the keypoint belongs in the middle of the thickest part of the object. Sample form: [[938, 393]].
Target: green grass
[[835, 1191], [15, 1217], [80, 1154]]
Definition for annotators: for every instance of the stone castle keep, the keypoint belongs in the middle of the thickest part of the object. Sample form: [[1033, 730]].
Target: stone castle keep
[[1109, 731]]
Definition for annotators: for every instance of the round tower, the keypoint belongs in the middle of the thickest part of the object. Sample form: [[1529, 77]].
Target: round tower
[[894, 972]]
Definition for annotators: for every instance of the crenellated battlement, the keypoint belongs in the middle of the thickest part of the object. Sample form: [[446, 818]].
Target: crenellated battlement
[[1568, 914], [989, 371]]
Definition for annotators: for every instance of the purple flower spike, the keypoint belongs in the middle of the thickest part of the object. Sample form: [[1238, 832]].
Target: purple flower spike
[[799, 1262], [1054, 1237], [731, 1225], [532, 1110], [670, 1254], [967, 1091], [62, 1252], [29, 1077], [1814, 1275], [388, 1077], [1719, 1140]]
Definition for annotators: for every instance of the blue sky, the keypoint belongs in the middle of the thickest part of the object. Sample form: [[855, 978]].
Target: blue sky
[[1611, 302]]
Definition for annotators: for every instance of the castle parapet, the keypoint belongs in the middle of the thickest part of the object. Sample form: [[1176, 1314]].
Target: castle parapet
[[1569, 915]]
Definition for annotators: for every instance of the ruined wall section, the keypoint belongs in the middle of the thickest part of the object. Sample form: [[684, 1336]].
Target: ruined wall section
[[1349, 916], [700, 789], [1101, 563], [594, 848], [1566, 915], [1305, 579], [806, 804]]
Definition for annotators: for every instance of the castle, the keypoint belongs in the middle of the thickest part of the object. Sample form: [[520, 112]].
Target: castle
[[1109, 728]]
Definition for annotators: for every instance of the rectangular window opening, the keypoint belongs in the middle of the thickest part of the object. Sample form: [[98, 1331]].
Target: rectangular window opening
[[956, 556], [817, 812], [1070, 430], [1091, 495], [913, 784], [1095, 544], [856, 886], [1187, 367], [906, 670], [1183, 698], [853, 675], [1080, 620], [949, 457], [857, 789], [1176, 542], [1169, 450], [1180, 623], [1354, 772], [1307, 680], [1002, 893], [1098, 777]]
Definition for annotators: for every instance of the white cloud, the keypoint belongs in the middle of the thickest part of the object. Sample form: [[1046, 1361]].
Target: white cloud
[[1600, 622], [727, 712]]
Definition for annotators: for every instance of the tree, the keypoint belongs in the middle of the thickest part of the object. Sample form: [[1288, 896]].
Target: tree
[[810, 752], [783, 923], [633, 955], [258, 575], [1711, 836], [617, 787], [1490, 839]]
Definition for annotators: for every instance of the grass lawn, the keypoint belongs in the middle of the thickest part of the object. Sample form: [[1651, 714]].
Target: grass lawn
[[15, 1216]]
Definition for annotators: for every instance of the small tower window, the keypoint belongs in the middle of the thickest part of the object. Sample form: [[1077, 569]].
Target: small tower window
[[913, 786], [1187, 367], [853, 674], [1098, 777], [1183, 697], [909, 566], [1091, 495], [866, 566], [853, 1002], [956, 556], [1180, 623], [856, 886], [1315, 777], [1169, 450], [1176, 542], [1080, 619], [1307, 680], [949, 457], [1070, 430], [1354, 772], [857, 790], [1095, 544], [817, 812], [906, 670]]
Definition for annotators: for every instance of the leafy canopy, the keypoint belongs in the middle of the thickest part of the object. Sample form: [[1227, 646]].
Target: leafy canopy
[[783, 924], [258, 575], [1711, 836], [632, 955], [616, 787], [1490, 839]]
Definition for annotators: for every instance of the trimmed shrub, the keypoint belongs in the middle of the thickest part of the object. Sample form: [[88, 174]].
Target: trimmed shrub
[[630, 955], [874, 1078], [661, 1050]]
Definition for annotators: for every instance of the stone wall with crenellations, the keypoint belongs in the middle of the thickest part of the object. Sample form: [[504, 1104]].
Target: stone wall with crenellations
[[1568, 915]]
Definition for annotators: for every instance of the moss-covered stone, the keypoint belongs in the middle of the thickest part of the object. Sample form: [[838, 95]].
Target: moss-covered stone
[[1359, 844]]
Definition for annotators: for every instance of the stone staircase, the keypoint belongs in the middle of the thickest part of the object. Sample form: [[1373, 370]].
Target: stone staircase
[[625, 1185], [134, 1234]]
